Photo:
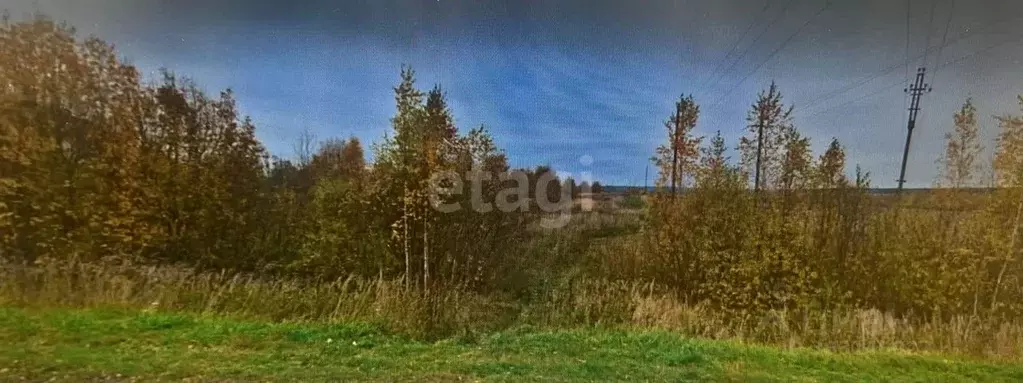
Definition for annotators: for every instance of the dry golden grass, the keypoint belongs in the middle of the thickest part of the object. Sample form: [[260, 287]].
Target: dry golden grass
[[455, 312]]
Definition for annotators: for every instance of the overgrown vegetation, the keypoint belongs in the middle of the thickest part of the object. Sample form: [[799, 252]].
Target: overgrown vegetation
[[158, 196], [111, 345]]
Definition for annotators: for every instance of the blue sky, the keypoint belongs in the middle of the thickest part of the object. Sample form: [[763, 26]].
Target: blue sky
[[556, 81]]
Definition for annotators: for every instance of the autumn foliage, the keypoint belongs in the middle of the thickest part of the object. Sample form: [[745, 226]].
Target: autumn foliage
[[806, 237], [99, 167]]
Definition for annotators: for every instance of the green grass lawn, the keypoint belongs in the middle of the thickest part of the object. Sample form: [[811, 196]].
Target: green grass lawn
[[77, 345]]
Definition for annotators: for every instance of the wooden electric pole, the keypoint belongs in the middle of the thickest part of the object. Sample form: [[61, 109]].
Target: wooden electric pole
[[646, 179], [674, 146], [916, 90], [760, 144]]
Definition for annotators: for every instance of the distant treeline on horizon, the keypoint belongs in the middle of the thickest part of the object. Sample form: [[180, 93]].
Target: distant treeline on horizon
[[619, 189]]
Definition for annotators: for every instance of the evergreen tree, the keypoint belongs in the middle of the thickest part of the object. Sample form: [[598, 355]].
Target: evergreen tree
[[763, 146], [831, 166], [677, 158], [715, 171], [796, 161]]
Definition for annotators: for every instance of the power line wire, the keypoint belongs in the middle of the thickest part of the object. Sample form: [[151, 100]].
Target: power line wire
[[937, 60], [930, 26], [713, 73], [827, 4], [754, 43], [944, 36], [1015, 39], [891, 68], [868, 95], [909, 9], [940, 66]]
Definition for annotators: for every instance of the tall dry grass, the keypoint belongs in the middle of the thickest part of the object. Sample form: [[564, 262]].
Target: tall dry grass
[[380, 301], [566, 303]]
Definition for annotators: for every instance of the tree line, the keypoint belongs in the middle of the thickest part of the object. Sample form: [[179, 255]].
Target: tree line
[[782, 229], [97, 165]]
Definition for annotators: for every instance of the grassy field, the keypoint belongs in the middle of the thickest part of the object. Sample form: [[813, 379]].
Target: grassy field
[[77, 345]]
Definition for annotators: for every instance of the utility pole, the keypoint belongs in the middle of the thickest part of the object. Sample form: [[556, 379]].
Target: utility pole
[[916, 90], [760, 144], [646, 179], [674, 146]]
